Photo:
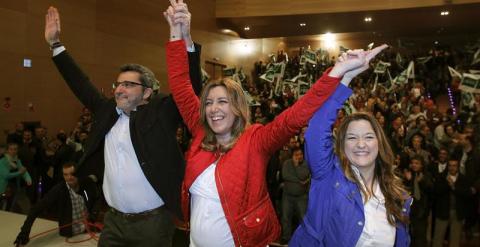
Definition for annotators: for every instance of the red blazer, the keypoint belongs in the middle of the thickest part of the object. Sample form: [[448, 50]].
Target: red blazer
[[240, 172]]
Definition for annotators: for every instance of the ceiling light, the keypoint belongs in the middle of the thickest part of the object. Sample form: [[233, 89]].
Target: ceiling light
[[329, 40], [303, 24], [229, 32], [444, 13], [246, 28], [368, 19]]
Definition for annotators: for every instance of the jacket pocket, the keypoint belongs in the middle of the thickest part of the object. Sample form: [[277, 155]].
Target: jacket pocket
[[258, 225]]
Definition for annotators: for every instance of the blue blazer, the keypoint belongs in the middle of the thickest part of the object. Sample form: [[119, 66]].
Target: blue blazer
[[335, 213]]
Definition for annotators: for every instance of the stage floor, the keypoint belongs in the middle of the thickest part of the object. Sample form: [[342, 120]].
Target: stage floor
[[10, 224], [10, 227]]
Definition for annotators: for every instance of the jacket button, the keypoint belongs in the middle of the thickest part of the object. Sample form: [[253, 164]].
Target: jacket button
[[404, 209], [360, 223], [257, 219], [337, 184]]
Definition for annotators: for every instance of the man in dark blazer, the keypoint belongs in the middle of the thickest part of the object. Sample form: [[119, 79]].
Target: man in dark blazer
[[132, 146], [451, 192]]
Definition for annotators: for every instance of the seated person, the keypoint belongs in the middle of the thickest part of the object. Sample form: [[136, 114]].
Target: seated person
[[72, 198]]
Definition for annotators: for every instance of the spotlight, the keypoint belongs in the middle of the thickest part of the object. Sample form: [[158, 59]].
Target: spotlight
[[368, 19], [246, 28], [303, 24], [329, 40]]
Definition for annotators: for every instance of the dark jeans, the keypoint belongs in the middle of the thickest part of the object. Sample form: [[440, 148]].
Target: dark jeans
[[472, 214], [155, 230], [291, 206], [418, 232]]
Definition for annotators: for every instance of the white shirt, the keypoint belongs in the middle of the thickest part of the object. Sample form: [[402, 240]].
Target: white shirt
[[377, 232], [58, 50], [463, 160], [442, 167], [439, 133], [124, 185], [453, 177], [208, 225]]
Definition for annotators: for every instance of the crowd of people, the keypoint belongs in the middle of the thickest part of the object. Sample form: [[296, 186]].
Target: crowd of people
[[421, 163]]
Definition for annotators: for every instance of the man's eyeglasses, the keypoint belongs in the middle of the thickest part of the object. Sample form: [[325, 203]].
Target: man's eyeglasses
[[127, 84]]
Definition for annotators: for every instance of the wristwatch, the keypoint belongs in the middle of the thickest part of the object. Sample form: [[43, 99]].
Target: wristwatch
[[55, 45]]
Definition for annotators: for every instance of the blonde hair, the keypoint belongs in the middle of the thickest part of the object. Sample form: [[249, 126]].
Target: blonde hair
[[240, 109], [390, 184]]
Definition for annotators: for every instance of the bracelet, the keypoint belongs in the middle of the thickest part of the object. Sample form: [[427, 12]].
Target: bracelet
[[55, 45]]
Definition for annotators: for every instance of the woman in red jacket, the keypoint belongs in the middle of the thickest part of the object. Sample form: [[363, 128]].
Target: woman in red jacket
[[224, 190]]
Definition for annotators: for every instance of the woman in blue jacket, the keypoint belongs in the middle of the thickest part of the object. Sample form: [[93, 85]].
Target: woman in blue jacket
[[355, 198]]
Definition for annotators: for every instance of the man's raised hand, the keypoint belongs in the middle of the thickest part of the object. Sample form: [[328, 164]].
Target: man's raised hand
[[52, 26]]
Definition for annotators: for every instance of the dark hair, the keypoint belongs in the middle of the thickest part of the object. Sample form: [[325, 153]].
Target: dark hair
[[456, 155], [422, 144], [450, 125], [62, 137], [295, 149], [417, 157], [444, 149], [11, 144], [147, 77], [68, 165]]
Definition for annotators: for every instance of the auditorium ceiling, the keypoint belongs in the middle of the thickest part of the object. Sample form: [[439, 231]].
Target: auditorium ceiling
[[449, 19]]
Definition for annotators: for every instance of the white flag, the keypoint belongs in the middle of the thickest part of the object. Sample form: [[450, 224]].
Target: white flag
[[381, 67], [274, 70], [375, 84], [470, 83], [399, 60], [303, 87], [205, 76], [402, 78], [389, 84], [468, 99], [300, 75], [424, 60], [411, 70], [370, 46], [348, 107], [474, 71], [476, 57], [310, 56], [405, 75], [454, 73]]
